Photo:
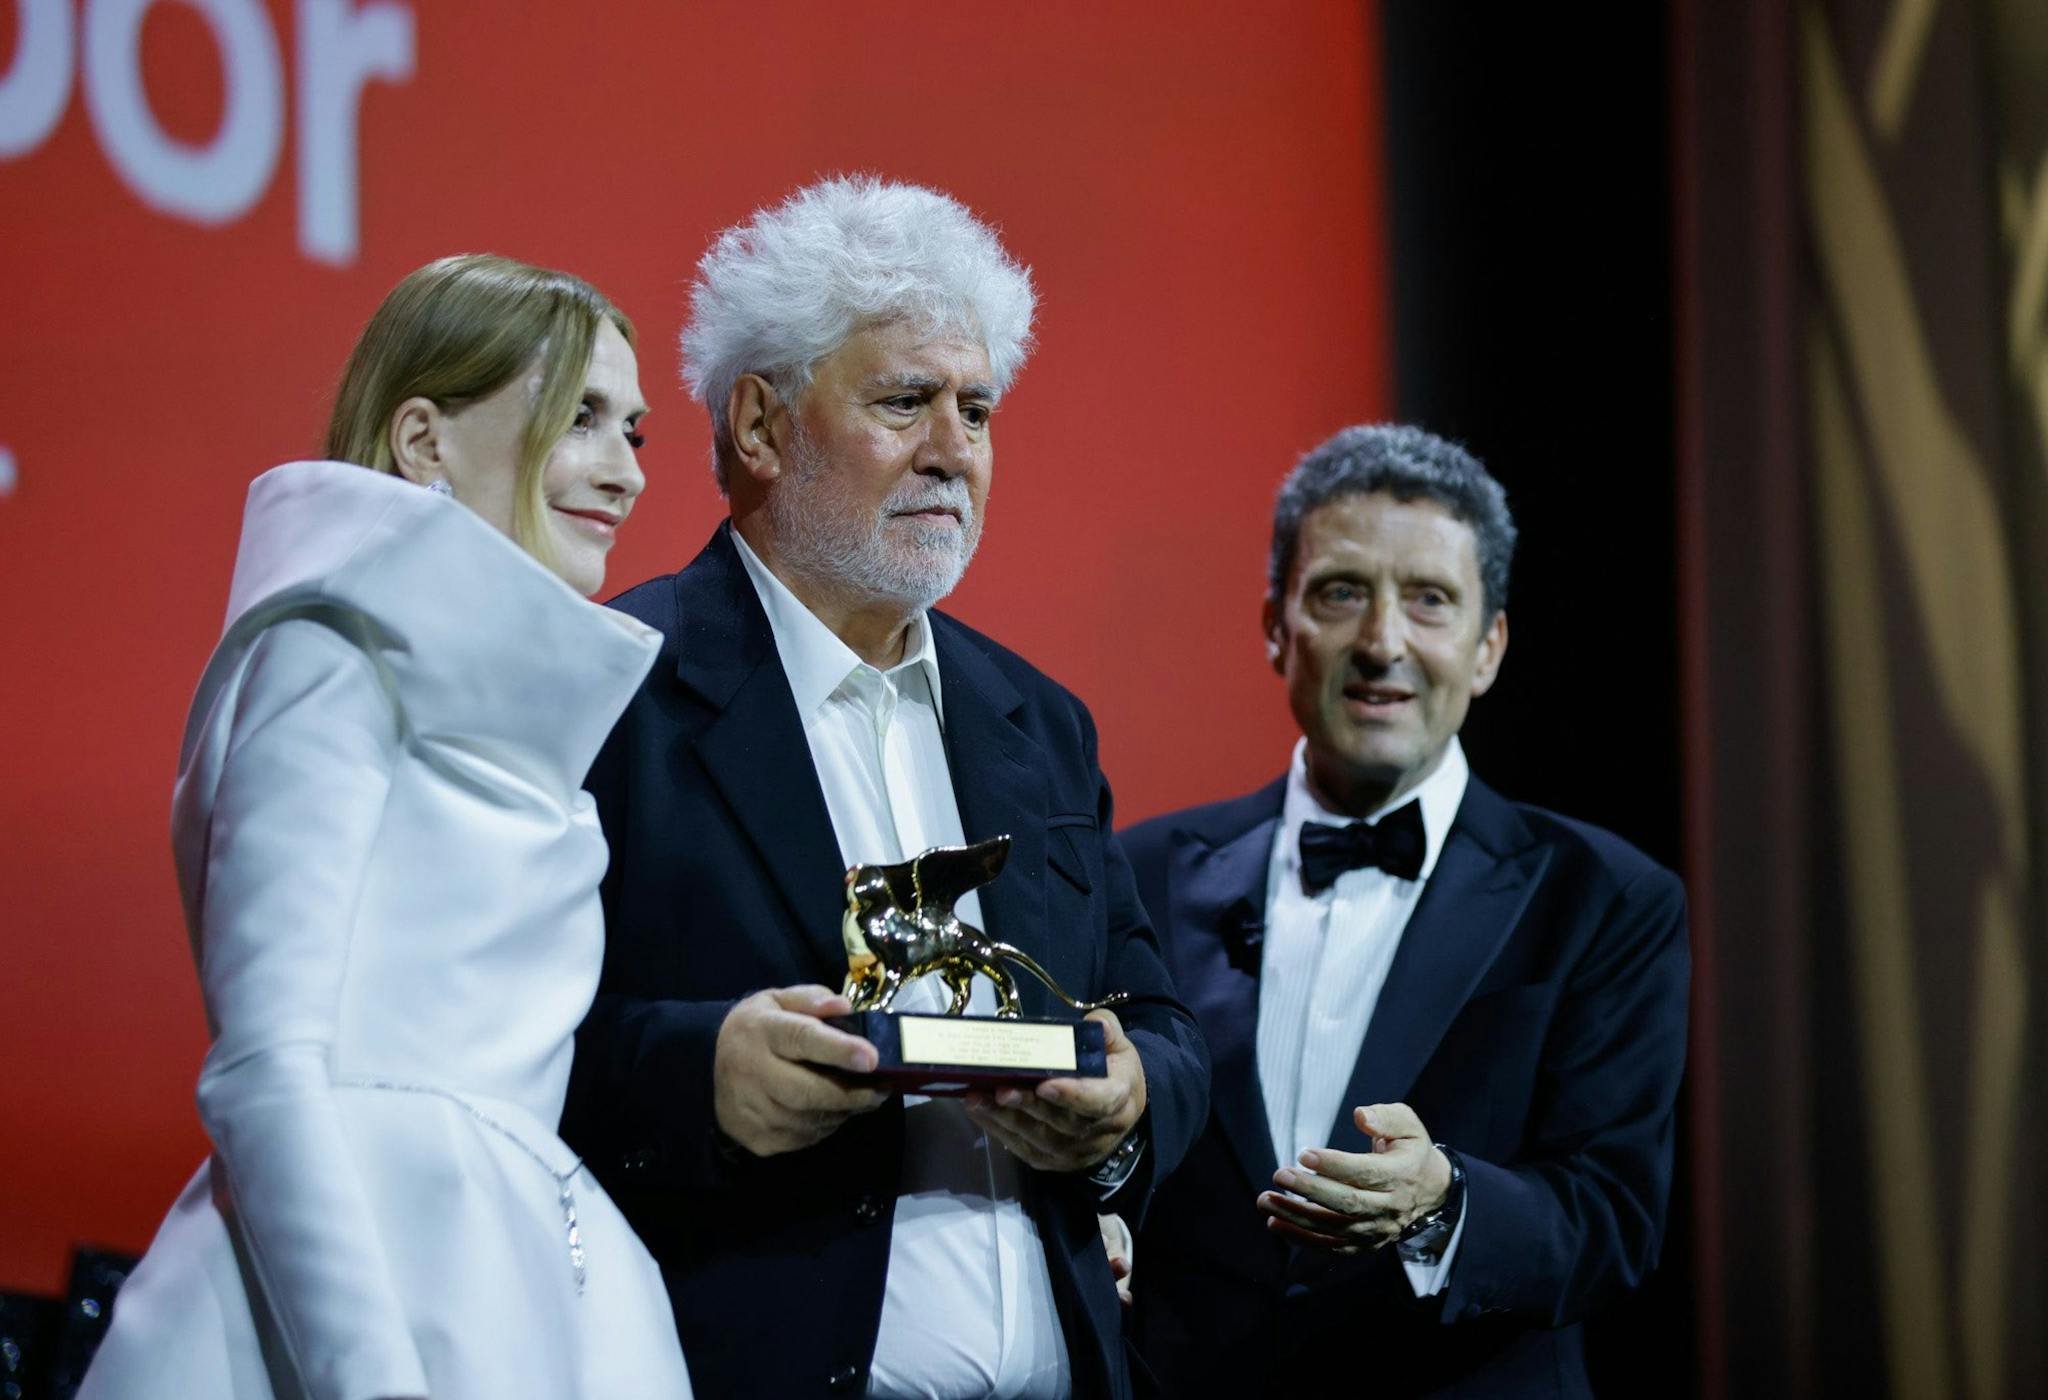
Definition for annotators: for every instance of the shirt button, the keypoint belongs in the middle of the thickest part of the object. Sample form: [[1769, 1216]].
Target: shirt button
[[868, 1211], [843, 1379], [638, 1161]]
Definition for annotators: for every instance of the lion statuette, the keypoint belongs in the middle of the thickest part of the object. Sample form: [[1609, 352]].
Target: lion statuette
[[900, 925]]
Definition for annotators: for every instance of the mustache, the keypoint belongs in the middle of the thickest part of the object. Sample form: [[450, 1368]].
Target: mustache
[[933, 495]]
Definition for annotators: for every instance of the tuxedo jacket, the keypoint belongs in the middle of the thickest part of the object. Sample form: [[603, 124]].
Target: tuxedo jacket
[[1534, 1017], [725, 879]]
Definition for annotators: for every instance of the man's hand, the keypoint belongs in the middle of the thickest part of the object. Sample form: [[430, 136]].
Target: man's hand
[[1116, 1243], [1069, 1125], [775, 1077], [1349, 1201]]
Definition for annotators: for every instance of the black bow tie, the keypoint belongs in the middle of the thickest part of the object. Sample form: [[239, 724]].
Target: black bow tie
[[1394, 843]]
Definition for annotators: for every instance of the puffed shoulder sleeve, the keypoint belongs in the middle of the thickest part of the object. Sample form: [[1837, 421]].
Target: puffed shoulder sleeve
[[309, 737]]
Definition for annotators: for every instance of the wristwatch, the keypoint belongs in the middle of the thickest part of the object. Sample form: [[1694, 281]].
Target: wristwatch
[[1113, 1171], [1424, 1240]]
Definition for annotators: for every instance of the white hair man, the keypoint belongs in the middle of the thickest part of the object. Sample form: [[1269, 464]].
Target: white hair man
[[812, 712]]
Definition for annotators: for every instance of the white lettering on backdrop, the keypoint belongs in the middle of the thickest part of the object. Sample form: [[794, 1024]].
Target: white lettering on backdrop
[[341, 47], [33, 94]]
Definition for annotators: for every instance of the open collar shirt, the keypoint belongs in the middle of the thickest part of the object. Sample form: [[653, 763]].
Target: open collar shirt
[[968, 1305]]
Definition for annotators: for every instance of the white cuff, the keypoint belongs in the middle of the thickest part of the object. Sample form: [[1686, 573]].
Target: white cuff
[[1426, 1278]]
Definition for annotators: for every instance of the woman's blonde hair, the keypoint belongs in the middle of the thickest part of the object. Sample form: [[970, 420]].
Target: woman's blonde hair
[[458, 330]]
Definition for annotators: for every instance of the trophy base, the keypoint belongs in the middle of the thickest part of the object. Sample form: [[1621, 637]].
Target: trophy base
[[941, 1055]]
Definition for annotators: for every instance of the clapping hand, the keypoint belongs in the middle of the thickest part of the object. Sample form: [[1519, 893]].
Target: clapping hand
[[1352, 1201]]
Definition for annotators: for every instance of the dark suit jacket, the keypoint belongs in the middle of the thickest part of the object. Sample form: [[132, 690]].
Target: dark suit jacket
[[1534, 1016], [726, 878]]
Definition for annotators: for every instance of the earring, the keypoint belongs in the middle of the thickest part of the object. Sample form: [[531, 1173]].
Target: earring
[[440, 487]]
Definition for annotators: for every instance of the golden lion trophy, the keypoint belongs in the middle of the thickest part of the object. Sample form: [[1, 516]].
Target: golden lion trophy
[[900, 925]]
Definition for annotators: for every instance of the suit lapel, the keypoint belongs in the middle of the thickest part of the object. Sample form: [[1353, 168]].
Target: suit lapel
[[1489, 867], [1218, 895], [998, 774], [754, 747]]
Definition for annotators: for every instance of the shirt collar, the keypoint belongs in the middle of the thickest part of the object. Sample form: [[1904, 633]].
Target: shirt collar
[[1440, 795], [813, 658]]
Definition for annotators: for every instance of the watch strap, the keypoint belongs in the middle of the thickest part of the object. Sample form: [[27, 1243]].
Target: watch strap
[[1426, 1235]]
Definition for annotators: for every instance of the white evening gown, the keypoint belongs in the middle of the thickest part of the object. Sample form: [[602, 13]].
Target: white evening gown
[[390, 882]]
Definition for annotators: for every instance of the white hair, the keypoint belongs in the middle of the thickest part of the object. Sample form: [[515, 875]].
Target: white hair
[[783, 290]]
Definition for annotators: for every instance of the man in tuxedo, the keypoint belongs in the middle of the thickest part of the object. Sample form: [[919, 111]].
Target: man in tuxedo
[[810, 711], [1447, 1030]]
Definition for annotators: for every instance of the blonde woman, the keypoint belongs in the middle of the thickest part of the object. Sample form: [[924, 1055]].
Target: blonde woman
[[390, 882]]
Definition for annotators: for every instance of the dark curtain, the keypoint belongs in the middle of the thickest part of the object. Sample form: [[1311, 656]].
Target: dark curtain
[[1862, 233]]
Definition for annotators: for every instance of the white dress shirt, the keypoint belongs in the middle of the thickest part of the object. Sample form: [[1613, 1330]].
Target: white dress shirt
[[968, 1307], [1325, 957]]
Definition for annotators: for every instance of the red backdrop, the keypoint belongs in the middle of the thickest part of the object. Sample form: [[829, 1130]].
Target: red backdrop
[[187, 258]]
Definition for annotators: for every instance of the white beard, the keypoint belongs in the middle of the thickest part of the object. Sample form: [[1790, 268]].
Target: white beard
[[838, 544]]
